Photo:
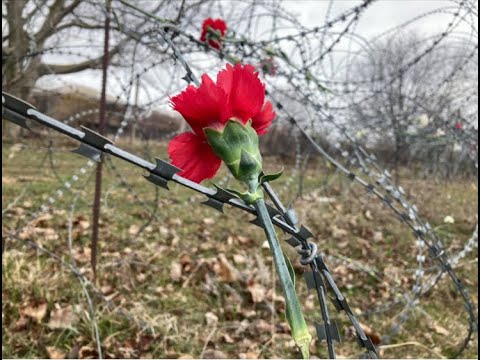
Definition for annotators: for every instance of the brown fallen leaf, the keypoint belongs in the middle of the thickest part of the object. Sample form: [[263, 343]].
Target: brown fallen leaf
[[439, 330], [87, 352], [377, 236], [368, 215], [8, 180], [338, 233], [239, 259], [20, 324], [17, 211], [43, 219], [227, 339], [211, 318], [176, 271], [263, 326], [62, 318], [185, 259], [214, 354], [54, 353], [133, 229], [106, 289], [372, 334], [248, 355], [81, 222], [276, 297], [82, 254], [36, 312], [141, 277], [32, 232], [209, 221], [238, 239], [257, 292], [225, 270], [340, 270]]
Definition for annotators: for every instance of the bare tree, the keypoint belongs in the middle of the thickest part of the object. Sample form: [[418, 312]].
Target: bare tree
[[400, 81], [31, 27]]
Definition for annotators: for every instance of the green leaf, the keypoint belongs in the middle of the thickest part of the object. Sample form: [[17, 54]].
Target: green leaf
[[238, 193], [248, 197], [288, 313], [291, 271], [270, 177], [285, 274], [300, 333]]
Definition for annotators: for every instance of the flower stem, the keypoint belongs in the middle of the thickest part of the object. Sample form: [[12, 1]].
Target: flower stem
[[295, 317]]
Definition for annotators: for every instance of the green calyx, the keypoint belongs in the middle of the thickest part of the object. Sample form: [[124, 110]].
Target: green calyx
[[237, 146], [248, 197], [213, 34]]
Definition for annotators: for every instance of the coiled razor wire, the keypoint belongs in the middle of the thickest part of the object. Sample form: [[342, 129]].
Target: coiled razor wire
[[351, 157], [421, 230], [325, 315], [67, 185], [93, 144], [394, 194]]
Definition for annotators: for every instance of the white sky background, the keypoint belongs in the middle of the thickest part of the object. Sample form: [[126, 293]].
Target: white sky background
[[379, 17]]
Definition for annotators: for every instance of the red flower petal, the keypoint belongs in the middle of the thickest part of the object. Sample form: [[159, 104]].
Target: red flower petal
[[238, 93], [261, 122], [194, 156], [206, 23], [221, 25], [246, 91], [205, 106], [215, 44], [217, 24]]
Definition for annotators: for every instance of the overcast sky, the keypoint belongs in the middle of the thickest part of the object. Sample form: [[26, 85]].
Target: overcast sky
[[380, 15], [378, 18]]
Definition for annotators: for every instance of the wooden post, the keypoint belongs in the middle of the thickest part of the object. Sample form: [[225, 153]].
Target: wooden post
[[101, 130]]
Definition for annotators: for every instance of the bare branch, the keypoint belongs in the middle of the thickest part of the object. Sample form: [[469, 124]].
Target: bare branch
[[62, 69], [56, 14], [82, 25]]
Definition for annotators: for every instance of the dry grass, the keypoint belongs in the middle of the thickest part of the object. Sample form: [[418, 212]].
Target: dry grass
[[198, 283]]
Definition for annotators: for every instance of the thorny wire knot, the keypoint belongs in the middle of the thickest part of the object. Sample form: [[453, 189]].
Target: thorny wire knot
[[308, 254], [308, 251]]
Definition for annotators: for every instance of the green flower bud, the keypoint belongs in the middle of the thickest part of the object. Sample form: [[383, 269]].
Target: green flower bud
[[237, 146]]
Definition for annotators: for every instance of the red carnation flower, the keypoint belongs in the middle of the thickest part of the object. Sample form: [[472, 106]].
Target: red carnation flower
[[238, 94], [213, 30], [458, 125]]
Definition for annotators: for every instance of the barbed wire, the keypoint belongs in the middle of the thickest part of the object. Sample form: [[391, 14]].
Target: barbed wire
[[397, 194], [92, 144], [299, 76]]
